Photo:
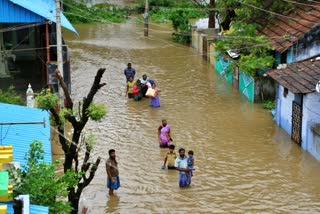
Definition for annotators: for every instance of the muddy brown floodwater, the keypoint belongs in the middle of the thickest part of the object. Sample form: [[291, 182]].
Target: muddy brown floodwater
[[245, 163]]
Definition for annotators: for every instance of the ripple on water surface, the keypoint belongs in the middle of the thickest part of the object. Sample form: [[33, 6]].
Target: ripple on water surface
[[245, 164]]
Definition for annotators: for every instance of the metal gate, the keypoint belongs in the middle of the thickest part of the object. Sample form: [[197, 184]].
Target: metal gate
[[246, 86], [296, 122]]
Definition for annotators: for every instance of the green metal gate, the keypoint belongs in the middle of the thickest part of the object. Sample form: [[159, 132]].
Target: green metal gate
[[246, 86]]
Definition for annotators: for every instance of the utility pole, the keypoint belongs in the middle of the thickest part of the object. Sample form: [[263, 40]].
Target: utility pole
[[59, 47], [146, 17]]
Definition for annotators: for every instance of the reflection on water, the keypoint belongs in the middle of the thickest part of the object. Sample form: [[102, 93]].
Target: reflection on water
[[245, 164]]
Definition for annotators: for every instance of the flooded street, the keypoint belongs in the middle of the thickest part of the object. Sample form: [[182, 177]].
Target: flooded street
[[244, 162]]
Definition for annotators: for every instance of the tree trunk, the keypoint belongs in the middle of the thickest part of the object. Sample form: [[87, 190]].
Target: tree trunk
[[212, 21]]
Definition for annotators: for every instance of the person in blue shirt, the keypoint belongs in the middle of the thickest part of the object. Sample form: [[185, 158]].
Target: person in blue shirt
[[129, 72], [190, 162], [181, 165]]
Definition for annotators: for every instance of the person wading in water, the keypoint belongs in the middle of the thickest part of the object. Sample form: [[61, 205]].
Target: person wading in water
[[113, 181]]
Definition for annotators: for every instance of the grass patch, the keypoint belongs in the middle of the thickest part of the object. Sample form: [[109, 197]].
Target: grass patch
[[268, 104], [80, 13]]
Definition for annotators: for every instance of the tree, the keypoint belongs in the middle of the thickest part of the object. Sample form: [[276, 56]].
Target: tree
[[78, 116], [11, 97], [212, 20], [240, 23], [39, 180]]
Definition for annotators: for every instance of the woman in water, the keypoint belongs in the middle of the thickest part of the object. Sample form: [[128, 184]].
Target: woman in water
[[155, 101], [164, 134]]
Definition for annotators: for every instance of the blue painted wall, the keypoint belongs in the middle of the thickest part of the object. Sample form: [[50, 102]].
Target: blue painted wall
[[284, 109], [290, 55], [21, 136], [311, 116], [12, 13], [307, 47]]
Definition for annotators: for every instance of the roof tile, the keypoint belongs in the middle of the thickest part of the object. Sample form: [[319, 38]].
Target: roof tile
[[279, 28], [299, 77]]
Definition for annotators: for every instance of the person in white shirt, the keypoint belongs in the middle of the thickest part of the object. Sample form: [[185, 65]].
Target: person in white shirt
[[144, 86], [181, 165]]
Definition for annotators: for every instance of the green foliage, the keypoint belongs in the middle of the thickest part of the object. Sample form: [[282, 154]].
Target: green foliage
[[154, 4], [39, 180], [254, 49], [91, 141], [11, 97], [96, 111], [46, 100], [268, 104], [179, 13], [78, 12]]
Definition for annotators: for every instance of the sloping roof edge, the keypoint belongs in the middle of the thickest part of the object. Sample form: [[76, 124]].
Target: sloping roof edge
[[46, 9], [300, 77]]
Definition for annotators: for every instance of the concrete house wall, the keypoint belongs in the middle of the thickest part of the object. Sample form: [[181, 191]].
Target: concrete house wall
[[284, 109], [311, 116]]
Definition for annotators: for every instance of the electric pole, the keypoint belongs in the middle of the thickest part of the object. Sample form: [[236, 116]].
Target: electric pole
[[146, 17], [59, 47]]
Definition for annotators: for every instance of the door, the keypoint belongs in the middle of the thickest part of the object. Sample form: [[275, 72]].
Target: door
[[204, 47], [296, 122]]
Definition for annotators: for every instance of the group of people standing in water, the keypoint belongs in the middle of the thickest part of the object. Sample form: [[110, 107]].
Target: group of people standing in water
[[136, 90], [142, 87], [184, 164]]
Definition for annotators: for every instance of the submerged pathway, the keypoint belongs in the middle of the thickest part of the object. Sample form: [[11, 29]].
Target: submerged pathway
[[245, 164]]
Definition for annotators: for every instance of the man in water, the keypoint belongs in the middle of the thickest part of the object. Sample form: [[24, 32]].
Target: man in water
[[113, 182], [143, 82], [181, 165], [129, 71]]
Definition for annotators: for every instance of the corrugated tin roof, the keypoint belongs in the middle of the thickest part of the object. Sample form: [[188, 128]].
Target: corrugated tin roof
[[21, 136], [11, 13], [34, 209], [299, 77], [30, 11]]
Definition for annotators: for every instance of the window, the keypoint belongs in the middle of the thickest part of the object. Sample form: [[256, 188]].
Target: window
[[285, 92]]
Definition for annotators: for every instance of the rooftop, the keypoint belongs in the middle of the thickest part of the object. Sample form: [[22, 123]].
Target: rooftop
[[286, 29], [300, 77]]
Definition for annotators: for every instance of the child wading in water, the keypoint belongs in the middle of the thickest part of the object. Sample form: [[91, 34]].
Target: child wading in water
[[170, 158], [190, 163], [130, 85]]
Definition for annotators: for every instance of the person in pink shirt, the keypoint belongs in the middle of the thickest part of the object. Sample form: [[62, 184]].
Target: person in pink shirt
[[164, 134]]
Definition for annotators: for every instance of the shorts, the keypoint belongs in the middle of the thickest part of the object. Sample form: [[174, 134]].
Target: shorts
[[114, 185]]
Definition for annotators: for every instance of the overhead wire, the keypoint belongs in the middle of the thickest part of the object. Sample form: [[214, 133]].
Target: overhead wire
[[277, 14], [304, 4]]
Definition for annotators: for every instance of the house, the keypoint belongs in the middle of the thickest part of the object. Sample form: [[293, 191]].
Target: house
[[19, 127], [294, 36], [298, 103], [28, 44]]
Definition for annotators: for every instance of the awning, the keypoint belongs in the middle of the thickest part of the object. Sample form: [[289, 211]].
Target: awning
[[46, 9]]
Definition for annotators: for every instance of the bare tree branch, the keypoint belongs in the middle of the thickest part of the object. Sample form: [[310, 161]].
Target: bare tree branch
[[86, 181], [87, 100], [69, 103], [62, 140]]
